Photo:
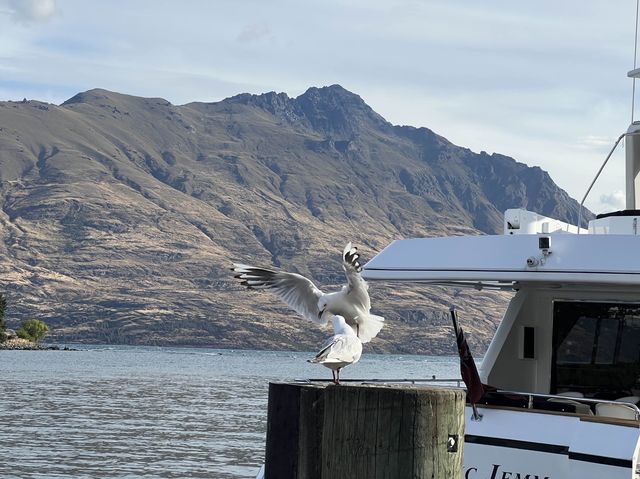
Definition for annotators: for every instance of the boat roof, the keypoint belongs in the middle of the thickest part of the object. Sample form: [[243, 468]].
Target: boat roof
[[501, 260]]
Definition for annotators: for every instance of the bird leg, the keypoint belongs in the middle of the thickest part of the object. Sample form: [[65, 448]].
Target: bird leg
[[337, 381], [333, 374], [358, 329]]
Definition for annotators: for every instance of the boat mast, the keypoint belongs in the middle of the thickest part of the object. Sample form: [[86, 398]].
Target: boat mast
[[632, 141], [632, 170]]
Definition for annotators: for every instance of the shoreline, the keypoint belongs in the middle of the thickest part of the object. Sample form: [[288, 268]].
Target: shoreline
[[25, 345]]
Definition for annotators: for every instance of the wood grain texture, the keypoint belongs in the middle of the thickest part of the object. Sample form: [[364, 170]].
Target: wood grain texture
[[281, 450], [310, 432], [392, 432]]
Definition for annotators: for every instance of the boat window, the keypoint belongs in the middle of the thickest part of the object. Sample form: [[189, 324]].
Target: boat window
[[629, 350], [607, 329], [576, 346], [529, 343], [596, 348]]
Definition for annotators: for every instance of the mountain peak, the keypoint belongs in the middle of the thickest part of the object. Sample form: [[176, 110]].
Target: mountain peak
[[331, 110], [99, 96], [86, 96], [335, 110], [270, 101], [278, 104], [331, 92]]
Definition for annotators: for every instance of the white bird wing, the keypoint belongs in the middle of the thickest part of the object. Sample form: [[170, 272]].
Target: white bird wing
[[298, 292], [369, 326], [326, 349], [339, 348], [356, 288]]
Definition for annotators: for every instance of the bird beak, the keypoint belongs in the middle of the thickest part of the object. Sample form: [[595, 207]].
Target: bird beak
[[320, 313]]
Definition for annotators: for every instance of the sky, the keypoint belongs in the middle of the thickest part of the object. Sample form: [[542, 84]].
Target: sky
[[544, 82]]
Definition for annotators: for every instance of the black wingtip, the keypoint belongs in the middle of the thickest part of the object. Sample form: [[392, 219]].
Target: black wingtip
[[351, 257]]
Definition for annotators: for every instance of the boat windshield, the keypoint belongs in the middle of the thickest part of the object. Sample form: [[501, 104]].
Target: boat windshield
[[596, 349]]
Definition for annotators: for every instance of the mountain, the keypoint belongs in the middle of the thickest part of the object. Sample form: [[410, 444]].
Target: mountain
[[122, 215]]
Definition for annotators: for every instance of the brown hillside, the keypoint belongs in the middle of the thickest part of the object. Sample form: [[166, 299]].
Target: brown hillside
[[121, 215]]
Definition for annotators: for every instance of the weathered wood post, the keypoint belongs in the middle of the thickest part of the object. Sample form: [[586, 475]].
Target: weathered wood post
[[364, 431], [294, 431], [393, 432]]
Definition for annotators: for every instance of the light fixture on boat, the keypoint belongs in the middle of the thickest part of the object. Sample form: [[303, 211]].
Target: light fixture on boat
[[544, 245], [532, 261]]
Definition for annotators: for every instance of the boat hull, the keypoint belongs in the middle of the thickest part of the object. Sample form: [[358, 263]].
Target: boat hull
[[519, 444]]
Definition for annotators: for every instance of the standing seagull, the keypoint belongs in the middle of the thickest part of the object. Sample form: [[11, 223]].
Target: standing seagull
[[340, 350], [352, 301]]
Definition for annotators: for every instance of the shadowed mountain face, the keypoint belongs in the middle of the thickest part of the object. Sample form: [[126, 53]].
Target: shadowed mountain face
[[121, 215]]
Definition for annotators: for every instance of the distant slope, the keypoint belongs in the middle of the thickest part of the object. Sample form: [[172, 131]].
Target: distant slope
[[121, 215]]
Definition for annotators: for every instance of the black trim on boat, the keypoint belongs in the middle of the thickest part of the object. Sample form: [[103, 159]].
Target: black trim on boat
[[609, 461], [548, 448], [515, 444], [619, 213], [486, 270]]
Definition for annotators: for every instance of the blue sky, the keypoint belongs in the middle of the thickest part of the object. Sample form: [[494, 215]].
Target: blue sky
[[544, 82]]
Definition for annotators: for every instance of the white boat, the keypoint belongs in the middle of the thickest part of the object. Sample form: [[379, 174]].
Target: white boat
[[565, 359]]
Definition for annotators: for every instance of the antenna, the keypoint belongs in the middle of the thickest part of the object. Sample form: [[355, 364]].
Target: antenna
[[597, 175], [635, 57]]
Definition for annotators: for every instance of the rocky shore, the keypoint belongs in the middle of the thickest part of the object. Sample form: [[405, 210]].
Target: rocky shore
[[25, 345]]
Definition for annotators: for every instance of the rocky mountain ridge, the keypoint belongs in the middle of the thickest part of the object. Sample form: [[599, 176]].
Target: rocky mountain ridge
[[121, 215]]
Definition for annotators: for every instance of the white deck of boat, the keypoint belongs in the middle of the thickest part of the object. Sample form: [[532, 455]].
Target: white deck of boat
[[588, 258]]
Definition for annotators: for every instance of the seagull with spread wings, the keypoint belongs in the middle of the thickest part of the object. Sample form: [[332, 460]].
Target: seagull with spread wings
[[351, 302], [340, 350]]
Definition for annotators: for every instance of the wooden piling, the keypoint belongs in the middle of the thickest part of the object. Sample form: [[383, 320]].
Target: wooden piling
[[381, 431], [393, 432], [295, 418]]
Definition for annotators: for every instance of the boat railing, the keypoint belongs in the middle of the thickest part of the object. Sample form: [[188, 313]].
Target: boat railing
[[432, 380], [570, 400], [530, 398]]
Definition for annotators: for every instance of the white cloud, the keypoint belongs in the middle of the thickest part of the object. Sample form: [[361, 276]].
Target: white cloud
[[31, 11], [254, 32], [614, 200], [596, 141]]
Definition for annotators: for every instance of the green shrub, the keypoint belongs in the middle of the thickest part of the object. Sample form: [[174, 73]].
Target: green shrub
[[33, 330]]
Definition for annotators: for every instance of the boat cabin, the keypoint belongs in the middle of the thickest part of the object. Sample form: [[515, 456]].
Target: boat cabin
[[565, 359], [579, 342]]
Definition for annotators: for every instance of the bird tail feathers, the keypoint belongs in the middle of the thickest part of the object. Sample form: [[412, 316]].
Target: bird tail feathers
[[370, 328]]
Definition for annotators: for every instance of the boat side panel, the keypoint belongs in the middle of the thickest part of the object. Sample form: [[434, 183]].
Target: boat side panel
[[501, 336], [506, 443], [510, 370]]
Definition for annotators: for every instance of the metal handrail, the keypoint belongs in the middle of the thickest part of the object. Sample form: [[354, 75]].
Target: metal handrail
[[458, 381]]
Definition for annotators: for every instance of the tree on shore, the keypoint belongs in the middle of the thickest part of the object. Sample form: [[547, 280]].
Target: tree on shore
[[3, 323], [33, 330]]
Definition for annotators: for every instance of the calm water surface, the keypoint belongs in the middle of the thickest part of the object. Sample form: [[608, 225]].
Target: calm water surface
[[130, 412]]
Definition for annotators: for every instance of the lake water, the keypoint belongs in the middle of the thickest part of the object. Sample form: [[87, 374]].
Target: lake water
[[131, 412]]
